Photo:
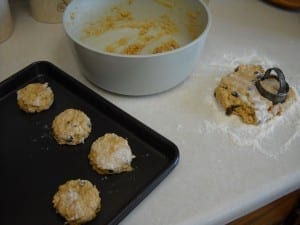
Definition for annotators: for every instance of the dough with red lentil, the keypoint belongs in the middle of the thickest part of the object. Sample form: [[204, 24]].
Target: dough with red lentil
[[111, 154], [238, 95], [35, 97], [71, 127], [78, 201]]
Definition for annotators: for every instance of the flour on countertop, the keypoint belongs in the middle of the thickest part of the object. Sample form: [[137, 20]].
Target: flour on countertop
[[284, 129], [230, 61], [272, 138], [192, 114]]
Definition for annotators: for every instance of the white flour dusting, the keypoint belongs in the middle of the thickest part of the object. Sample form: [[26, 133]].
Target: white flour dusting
[[230, 60], [272, 138], [192, 112], [282, 130]]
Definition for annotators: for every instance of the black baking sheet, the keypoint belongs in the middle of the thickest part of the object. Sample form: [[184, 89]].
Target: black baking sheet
[[33, 165]]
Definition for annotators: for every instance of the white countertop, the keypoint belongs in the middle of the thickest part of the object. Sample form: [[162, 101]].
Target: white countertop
[[221, 174]]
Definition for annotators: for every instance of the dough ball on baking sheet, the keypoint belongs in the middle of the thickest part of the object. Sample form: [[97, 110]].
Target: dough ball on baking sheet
[[111, 154], [71, 127]]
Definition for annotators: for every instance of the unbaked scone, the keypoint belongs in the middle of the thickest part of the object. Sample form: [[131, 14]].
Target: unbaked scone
[[237, 94], [71, 127], [78, 201], [111, 154], [35, 97]]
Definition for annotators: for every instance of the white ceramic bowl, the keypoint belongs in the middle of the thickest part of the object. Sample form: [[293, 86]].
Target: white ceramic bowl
[[86, 22]]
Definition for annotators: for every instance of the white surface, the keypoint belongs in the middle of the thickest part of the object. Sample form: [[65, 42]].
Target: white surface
[[217, 179]]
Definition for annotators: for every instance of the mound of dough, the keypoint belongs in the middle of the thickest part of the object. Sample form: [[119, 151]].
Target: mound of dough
[[111, 154], [78, 201], [238, 95], [35, 97], [71, 127]]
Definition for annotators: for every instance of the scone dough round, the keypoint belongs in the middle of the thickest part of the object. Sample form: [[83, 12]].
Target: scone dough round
[[238, 95], [71, 127], [78, 201], [35, 97], [111, 154]]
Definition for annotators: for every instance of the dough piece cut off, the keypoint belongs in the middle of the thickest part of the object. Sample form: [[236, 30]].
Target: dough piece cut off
[[35, 97], [71, 127], [111, 154], [78, 201]]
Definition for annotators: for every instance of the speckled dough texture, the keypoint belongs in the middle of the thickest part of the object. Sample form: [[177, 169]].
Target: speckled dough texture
[[35, 97], [71, 127], [238, 95], [111, 154], [78, 201]]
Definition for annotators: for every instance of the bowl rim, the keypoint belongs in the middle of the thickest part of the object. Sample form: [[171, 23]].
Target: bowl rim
[[182, 48]]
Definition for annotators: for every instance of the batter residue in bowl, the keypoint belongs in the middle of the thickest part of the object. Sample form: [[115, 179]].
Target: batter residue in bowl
[[124, 31]]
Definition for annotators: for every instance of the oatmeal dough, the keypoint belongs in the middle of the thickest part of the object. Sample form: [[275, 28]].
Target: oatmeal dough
[[78, 201], [111, 154], [238, 95], [71, 127], [35, 97]]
